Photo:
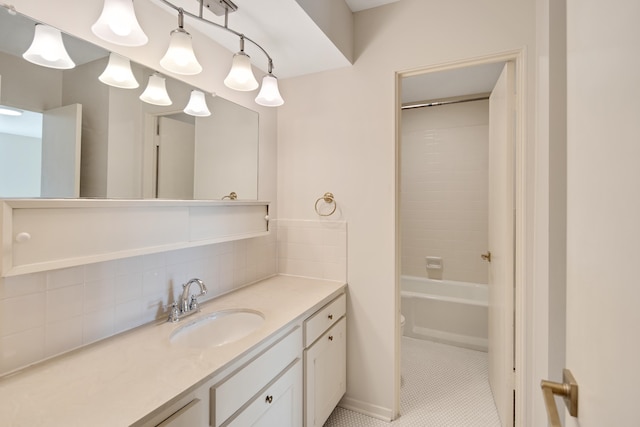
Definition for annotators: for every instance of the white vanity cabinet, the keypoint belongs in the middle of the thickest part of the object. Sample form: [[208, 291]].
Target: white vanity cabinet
[[325, 361], [294, 378], [280, 404], [268, 386]]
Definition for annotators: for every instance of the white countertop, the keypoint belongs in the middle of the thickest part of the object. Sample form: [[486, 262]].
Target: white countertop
[[117, 381]]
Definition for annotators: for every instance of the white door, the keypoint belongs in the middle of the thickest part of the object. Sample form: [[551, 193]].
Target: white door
[[175, 159], [603, 210], [501, 243], [61, 132]]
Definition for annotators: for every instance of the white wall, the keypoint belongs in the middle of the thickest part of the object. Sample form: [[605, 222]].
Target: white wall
[[29, 86], [337, 133], [20, 163], [444, 194], [81, 86], [548, 297]]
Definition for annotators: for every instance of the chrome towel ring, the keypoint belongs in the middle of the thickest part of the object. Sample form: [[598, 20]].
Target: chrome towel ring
[[328, 199]]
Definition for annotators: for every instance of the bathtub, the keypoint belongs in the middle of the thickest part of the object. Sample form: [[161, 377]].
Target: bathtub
[[454, 313]]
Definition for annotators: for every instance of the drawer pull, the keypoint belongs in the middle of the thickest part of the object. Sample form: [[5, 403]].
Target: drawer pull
[[269, 399], [330, 317], [330, 337]]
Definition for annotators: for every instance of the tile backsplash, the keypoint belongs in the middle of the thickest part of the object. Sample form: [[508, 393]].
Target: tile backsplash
[[48, 313], [313, 248]]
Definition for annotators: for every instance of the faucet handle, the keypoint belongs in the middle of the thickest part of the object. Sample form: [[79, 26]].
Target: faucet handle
[[193, 304], [174, 315]]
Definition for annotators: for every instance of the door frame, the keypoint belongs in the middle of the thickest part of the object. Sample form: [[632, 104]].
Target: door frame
[[523, 222]]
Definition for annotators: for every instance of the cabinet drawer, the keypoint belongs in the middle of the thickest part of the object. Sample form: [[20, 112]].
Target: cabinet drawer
[[317, 324], [233, 392], [279, 404]]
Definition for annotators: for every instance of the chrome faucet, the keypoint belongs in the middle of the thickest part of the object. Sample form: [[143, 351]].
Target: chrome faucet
[[188, 306]]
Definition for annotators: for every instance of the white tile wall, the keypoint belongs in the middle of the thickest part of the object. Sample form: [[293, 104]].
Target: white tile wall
[[444, 190], [48, 313], [313, 248]]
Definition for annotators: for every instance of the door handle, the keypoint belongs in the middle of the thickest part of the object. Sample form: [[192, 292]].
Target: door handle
[[567, 389], [487, 256]]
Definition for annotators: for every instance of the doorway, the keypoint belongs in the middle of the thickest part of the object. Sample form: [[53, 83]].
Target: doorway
[[469, 82]]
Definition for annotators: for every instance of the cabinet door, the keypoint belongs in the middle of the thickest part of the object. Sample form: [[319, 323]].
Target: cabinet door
[[325, 374], [279, 404]]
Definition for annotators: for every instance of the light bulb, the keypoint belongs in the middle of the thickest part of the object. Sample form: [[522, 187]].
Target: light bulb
[[180, 58], [47, 49], [241, 75], [118, 24], [156, 91], [269, 95], [118, 73], [197, 105]]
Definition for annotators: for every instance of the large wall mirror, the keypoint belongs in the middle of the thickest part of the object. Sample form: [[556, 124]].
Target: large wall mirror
[[78, 137]]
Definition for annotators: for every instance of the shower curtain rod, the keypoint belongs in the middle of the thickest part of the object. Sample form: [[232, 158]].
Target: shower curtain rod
[[446, 101]]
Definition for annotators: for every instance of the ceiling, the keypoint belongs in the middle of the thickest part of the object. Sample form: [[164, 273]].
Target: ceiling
[[298, 48], [451, 83], [282, 27]]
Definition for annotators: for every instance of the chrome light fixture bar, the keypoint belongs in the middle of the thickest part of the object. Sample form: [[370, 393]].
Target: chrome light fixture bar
[[241, 75]]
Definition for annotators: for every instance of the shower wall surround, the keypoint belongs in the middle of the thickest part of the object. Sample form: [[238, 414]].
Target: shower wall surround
[[444, 198]]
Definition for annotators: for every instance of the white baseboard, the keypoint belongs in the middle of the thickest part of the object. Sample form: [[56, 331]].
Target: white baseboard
[[374, 411]]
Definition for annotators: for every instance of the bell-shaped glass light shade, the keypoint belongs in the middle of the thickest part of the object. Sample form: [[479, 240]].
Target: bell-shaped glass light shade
[[269, 95], [180, 58], [241, 75], [118, 73], [156, 91], [197, 105], [118, 24], [47, 49]]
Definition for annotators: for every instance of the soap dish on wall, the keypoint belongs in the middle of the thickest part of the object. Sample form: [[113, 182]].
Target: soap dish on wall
[[434, 262]]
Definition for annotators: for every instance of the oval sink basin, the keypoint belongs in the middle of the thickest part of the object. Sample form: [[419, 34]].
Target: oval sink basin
[[217, 329]]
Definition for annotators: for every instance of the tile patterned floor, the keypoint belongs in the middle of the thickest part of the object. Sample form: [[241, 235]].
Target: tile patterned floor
[[443, 386]]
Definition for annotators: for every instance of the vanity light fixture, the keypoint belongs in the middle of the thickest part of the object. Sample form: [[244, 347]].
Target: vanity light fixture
[[269, 95], [118, 73], [118, 24], [180, 58], [197, 105], [156, 91], [241, 76], [47, 49]]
